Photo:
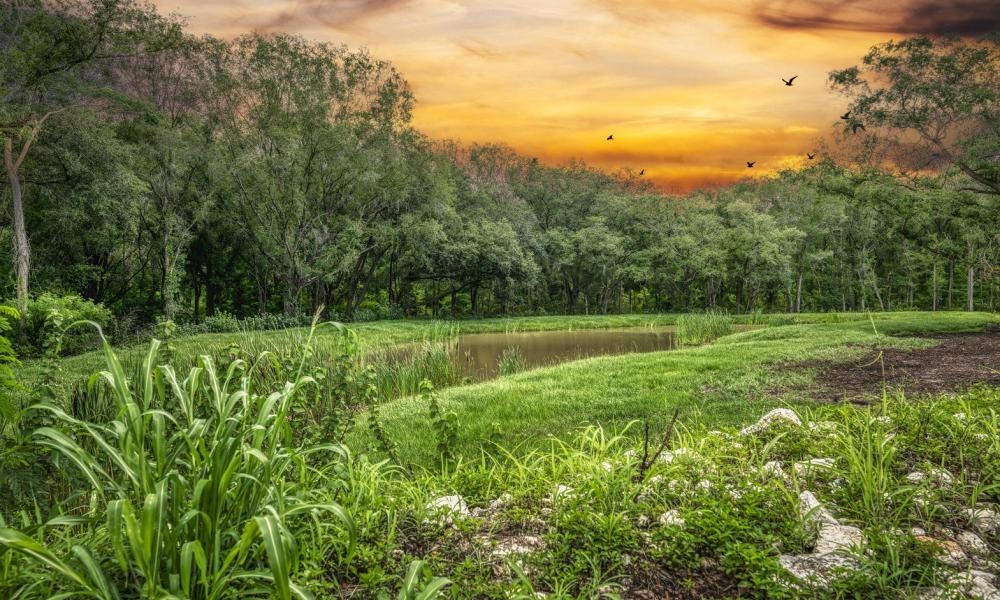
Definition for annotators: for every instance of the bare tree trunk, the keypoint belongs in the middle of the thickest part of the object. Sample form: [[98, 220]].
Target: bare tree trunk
[[970, 284], [22, 251], [951, 280], [934, 292], [165, 291], [197, 298], [798, 294]]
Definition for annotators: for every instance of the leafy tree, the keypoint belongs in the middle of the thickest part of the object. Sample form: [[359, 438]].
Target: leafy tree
[[309, 142], [56, 54], [937, 101]]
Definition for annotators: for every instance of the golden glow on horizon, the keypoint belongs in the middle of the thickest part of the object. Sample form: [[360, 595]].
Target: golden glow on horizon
[[690, 90]]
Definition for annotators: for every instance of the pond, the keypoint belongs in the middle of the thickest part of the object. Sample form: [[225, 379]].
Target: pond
[[484, 356]]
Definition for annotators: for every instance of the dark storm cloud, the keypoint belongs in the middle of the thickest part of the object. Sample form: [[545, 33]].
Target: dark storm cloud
[[336, 14], [961, 17]]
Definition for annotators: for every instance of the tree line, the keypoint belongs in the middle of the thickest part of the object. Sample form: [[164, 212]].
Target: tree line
[[168, 175]]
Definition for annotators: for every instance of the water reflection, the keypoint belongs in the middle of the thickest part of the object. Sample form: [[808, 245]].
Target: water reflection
[[478, 356]]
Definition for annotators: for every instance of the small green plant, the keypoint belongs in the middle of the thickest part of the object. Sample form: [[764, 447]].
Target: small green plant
[[511, 361], [165, 330], [445, 424], [419, 584], [382, 440], [8, 381]]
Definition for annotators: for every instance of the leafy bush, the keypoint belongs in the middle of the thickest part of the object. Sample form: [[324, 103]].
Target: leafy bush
[[377, 312], [224, 322], [48, 315], [8, 360]]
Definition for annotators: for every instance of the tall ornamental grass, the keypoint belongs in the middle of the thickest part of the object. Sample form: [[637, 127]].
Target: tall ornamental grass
[[701, 328], [193, 491]]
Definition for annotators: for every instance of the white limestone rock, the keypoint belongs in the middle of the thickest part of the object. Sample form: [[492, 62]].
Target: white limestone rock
[[833, 538], [976, 584], [806, 468], [446, 508], [984, 519], [812, 510], [816, 569], [972, 544], [671, 518], [948, 551], [774, 469], [778, 415], [525, 544]]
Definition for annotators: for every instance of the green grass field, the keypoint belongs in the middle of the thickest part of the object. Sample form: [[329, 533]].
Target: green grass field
[[381, 334], [728, 382]]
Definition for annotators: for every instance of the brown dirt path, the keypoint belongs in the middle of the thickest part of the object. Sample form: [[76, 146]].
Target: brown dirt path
[[957, 362]]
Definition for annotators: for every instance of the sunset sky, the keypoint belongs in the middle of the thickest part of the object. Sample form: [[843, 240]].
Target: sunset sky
[[691, 90]]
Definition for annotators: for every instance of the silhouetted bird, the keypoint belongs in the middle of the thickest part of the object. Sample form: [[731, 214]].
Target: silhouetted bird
[[751, 164], [611, 137], [846, 115], [788, 82], [811, 156], [857, 126], [642, 172]]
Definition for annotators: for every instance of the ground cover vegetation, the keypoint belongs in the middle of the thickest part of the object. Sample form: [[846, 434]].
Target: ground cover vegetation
[[228, 198], [203, 482]]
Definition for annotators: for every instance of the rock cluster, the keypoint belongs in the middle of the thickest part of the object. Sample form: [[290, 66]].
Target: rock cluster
[[836, 545]]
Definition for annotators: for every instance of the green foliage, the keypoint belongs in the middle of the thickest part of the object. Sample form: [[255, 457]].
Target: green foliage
[[43, 329], [165, 330], [700, 328], [419, 585], [8, 380], [224, 322], [909, 88], [221, 452], [445, 423], [570, 516], [511, 361]]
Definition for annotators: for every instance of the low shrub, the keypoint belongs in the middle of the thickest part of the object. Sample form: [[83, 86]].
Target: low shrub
[[49, 315]]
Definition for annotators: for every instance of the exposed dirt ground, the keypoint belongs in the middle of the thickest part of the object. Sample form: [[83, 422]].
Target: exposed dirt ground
[[957, 362]]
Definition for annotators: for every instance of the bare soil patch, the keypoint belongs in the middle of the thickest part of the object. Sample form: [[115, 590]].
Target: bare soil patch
[[957, 362]]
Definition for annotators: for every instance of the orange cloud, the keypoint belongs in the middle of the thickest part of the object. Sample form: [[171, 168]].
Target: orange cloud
[[691, 90]]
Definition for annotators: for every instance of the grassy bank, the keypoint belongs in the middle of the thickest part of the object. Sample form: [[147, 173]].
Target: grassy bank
[[378, 335], [371, 337], [726, 383]]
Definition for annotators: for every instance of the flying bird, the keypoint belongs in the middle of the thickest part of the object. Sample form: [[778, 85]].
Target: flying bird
[[857, 126], [811, 156], [846, 115], [788, 82], [751, 164], [611, 137], [642, 172]]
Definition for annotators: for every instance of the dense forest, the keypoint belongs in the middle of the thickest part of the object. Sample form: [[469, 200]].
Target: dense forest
[[164, 174]]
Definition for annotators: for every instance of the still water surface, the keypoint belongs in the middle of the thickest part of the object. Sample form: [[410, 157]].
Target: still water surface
[[477, 356]]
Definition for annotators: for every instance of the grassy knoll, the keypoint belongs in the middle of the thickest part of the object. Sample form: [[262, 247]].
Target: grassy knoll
[[725, 383]]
